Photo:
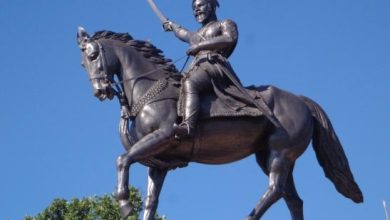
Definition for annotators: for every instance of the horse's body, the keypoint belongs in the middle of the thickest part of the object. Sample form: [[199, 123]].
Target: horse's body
[[151, 140]]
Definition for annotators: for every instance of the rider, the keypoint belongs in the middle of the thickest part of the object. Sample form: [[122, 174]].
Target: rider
[[210, 70]]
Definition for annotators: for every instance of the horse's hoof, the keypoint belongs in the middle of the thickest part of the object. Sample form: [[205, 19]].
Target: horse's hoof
[[125, 209]]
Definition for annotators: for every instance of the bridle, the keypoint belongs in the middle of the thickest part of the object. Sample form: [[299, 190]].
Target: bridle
[[109, 77], [101, 74], [117, 87]]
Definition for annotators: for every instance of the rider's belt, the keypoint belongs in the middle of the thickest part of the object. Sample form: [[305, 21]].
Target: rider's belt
[[211, 57]]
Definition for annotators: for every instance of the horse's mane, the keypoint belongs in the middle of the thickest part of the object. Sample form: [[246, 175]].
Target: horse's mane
[[148, 50]]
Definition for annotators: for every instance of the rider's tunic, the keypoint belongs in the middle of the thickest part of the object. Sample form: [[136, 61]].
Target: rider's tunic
[[210, 68]]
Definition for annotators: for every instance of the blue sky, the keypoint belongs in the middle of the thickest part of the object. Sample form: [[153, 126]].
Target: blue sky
[[57, 140]]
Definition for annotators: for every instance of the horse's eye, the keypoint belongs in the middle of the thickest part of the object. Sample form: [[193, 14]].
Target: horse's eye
[[93, 56], [92, 51]]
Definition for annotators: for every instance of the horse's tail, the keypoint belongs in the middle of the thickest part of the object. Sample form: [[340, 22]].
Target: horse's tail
[[330, 154]]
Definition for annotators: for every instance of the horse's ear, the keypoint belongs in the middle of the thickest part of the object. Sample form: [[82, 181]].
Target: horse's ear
[[82, 37]]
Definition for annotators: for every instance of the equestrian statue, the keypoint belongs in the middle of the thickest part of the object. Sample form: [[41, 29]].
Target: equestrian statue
[[206, 115]]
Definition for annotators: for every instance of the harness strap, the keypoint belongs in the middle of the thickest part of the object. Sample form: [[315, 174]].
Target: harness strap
[[129, 110], [156, 89], [154, 70]]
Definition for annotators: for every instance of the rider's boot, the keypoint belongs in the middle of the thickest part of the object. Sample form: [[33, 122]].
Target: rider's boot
[[186, 129]]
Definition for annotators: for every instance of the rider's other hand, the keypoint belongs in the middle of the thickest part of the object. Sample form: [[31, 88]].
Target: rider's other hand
[[193, 50]]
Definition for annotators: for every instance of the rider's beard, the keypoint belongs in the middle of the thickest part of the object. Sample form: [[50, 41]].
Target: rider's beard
[[202, 17]]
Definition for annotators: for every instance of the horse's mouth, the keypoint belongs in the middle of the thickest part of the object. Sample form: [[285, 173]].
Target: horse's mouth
[[102, 97], [104, 94]]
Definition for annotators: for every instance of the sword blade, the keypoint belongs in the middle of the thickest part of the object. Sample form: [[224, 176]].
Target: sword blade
[[157, 11]]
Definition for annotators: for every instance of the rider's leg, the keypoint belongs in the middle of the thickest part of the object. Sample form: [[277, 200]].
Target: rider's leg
[[191, 110], [196, 83]]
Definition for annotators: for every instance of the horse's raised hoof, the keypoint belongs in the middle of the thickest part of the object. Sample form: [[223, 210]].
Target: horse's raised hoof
[[126, 209]]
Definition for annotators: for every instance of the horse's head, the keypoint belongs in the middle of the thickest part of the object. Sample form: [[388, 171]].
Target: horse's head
[[137, 64], [100, 63]]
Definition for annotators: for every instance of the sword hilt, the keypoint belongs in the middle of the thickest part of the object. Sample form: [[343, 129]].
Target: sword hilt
[[167, 26]]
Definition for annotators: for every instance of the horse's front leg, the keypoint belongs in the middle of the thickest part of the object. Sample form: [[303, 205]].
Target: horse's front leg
[[150, 145], [155, 183]]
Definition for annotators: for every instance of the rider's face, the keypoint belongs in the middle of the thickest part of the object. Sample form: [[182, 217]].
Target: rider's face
[[202, 10]]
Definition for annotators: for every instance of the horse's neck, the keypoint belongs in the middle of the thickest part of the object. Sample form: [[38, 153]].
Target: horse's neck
[[136, 77]]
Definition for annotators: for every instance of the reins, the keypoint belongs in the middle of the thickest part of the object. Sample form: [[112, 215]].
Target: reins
[[155, 70], [119, 86]]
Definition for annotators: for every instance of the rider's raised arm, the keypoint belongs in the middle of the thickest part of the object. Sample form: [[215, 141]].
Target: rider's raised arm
[[180, 32]]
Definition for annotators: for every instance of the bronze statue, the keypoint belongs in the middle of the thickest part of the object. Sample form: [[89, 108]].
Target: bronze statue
[[148, 87], [210, 70]]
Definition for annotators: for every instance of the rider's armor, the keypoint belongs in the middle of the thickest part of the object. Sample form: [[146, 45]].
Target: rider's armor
[[207, 72]]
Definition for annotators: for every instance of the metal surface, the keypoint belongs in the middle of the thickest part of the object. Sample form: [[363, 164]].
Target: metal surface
[[150, 139]]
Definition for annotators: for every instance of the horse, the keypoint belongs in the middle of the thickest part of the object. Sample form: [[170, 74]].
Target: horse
[[148, 87]]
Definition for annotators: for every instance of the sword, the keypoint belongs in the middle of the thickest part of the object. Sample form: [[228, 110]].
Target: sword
[[159, 14]]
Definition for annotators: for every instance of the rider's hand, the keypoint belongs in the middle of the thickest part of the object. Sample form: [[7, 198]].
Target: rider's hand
[[167, 26], [193, 50]]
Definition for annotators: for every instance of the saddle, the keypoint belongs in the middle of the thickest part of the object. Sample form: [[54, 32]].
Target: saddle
[[213, 106]]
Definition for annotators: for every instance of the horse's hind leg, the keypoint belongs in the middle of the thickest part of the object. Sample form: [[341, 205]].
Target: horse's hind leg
[[294, 203], [279, 167], [291, 197]]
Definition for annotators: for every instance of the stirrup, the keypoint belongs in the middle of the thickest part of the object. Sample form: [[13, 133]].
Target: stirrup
[[182, 130]]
